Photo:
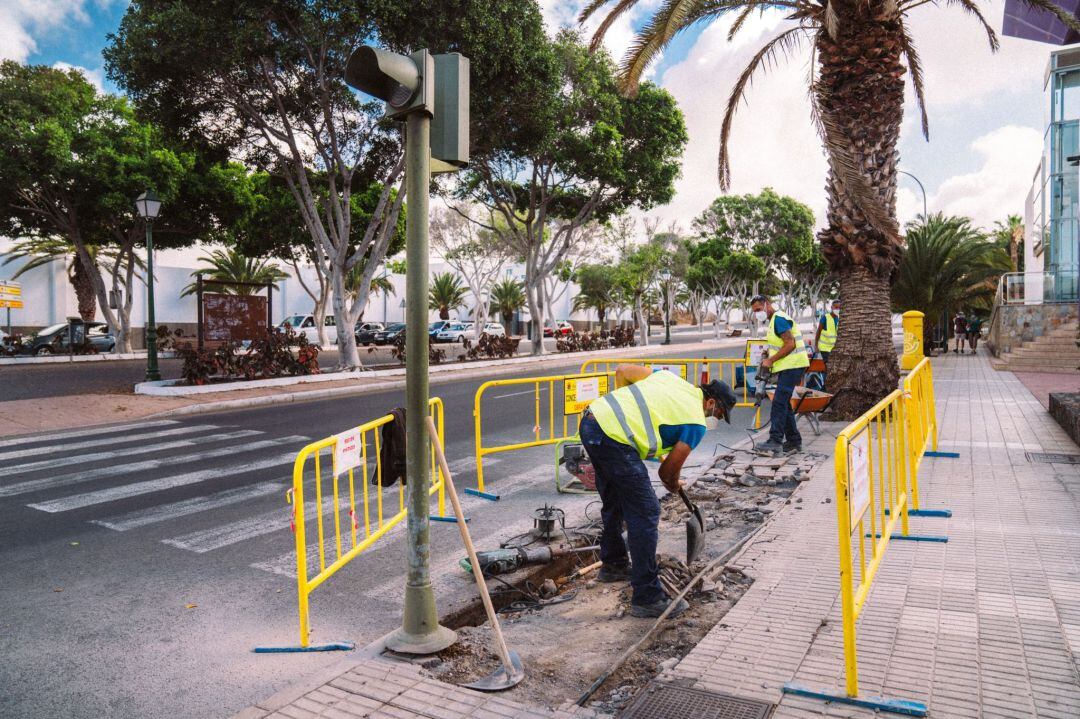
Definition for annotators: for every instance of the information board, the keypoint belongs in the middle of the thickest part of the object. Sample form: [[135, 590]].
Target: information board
[[858, 459], [755, 352], [578, 392], [233, 318], [347, 451], [11, 295], [679, 370]]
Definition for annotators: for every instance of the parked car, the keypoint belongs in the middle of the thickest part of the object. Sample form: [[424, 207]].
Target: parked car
[[562, 328], [365, 332], [55, 339], [390, 334], [305, 325], [494, 329], [456, 332], [436, 327]]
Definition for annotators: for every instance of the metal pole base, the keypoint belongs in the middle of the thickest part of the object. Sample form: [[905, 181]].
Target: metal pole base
[[427, 636], [404, 643]]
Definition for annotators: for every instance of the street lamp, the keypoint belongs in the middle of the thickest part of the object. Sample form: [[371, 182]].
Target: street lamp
[[923, 189], [148, 206], [665, 279]]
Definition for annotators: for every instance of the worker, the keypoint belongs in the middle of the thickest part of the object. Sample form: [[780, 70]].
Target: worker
[[649, 415], [825, 335], [787, 360]]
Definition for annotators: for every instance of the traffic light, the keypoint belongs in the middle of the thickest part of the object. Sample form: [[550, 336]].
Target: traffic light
[[405, 83]]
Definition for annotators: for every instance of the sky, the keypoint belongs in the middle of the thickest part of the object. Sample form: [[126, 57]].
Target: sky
[[986, 110]]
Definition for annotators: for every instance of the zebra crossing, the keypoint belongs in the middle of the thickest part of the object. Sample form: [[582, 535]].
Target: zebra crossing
[[164, 478]]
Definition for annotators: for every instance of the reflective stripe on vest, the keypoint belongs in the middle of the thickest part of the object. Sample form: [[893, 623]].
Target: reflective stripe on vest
[[633, 414], [828, 334], [795, 359]]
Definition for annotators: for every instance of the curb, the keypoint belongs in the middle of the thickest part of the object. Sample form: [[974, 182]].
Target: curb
[[70, 359]]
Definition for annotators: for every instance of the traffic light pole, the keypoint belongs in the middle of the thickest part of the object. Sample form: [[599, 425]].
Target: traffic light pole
[[420, 632]]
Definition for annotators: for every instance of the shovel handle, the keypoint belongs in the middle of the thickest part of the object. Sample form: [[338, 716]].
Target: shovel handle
[[500, 642], [686, 500]]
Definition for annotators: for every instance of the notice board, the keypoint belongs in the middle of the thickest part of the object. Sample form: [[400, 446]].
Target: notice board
[[233, 318]]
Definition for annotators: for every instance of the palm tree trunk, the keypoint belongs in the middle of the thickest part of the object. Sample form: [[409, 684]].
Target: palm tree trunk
[[84, 291], [860, 97]]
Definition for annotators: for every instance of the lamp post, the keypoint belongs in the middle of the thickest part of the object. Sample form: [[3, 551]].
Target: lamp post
[[665, 279], [923, 189], [148, 206]]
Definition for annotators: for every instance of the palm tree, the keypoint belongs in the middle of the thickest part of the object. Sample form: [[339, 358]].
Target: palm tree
[[507, 297], [229, 265], [380, 284], [598, 284], [861, 50], [948, 265], [446, 293], [1010, 235]]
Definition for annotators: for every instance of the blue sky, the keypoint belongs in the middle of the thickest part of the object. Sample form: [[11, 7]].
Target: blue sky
[[986, 112]]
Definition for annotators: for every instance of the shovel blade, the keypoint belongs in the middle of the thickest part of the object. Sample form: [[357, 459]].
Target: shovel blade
[[504, 677]]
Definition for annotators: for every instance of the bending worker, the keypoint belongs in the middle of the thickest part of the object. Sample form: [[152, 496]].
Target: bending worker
[[650, 415], [788, 361]]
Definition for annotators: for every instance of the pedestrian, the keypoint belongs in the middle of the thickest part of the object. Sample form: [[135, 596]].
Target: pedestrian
[[650, 415], [825, 335], [974, 332], [959, 331], [787, 361]]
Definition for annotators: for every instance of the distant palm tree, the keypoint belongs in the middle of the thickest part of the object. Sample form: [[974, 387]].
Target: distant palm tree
[[507, 297], [446, 293], [948, 265], [1010, 235], [40, 251], [231, 266]]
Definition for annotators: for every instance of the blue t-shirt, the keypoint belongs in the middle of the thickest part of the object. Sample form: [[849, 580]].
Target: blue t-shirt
[[692, 434], [781, 325]]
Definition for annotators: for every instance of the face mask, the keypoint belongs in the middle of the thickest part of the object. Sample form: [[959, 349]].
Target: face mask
[[712, 423], [760, 316]]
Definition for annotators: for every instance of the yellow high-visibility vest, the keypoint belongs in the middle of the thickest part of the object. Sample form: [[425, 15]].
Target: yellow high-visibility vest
[[797, 358], [633, 414], [827, 340]]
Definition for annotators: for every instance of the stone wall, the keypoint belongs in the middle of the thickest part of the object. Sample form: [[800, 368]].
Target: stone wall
[[1065, 408], [1013, 325]]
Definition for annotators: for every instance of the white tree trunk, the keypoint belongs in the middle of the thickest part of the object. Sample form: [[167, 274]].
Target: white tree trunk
[[643, 324]]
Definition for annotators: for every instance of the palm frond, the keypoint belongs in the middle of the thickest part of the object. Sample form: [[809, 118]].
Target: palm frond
[[605, 24], [590, 9], [785, 41], [907, 46], [737, 25], [1052, 7], [669, 20], [972, 8], [832, 22]]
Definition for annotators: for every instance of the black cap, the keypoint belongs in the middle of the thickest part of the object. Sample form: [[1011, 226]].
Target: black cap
[[758, 298], [722, 393]]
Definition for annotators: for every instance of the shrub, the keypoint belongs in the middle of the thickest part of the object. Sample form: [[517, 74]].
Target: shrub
[[491, 347], [13, 345], [591, 341], [265, 357], [436, 354]]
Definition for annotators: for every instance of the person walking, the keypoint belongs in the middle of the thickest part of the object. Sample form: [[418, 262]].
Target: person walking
[[650, 415], [959, 331], [825, 335], [788, 362], [974, 332]]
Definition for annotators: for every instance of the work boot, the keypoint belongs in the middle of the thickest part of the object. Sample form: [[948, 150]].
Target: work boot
[[657, 608], [610, 573], [792, 447], [769, 449]]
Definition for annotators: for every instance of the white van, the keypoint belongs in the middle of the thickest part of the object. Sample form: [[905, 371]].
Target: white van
[[305, 325]]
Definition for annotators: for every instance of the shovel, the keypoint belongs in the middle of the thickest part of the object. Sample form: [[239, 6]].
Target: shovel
[[695, 530], [511, 672]]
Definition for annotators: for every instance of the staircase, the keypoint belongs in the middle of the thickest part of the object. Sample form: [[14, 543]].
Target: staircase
[[1055, 351]]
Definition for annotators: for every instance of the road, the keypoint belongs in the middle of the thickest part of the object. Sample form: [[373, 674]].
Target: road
[[143, 562], [119, 376]]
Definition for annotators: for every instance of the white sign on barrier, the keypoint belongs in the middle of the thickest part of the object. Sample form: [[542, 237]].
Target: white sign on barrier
[[347, 451], [858, 457], [679, 370]]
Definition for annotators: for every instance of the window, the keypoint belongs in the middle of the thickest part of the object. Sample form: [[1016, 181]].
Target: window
[[309, 322], [98, 331], [329, 322]]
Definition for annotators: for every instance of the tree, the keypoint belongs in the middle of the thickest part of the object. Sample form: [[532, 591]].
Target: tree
[[229, 265], [807, 279], [723, 276], [636, 274], [507, 297], [446, 293], [1010, 235], [595, 155], [599, 286], [947, 265], [474, 253], [860, 50], [75, 162]]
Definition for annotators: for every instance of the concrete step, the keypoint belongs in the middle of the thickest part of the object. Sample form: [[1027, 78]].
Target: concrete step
[[1047, 351], [1067, 362], [1047, 370]]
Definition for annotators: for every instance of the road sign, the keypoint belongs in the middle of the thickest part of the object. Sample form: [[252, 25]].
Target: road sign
[[10, 294], [347, 451], [859, 475], [578, 392]]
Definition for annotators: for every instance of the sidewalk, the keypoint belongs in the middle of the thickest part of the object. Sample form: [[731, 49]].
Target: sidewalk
[[986, 625]]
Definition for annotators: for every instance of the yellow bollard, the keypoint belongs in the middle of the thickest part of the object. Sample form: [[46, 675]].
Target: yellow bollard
[[913, 340]]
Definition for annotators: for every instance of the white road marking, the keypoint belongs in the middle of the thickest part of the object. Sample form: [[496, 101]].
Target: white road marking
[[517, 394], [60, 449], [165, 512], [92, 432], [65, 480], [78, 501], [207, 540], [54, 462]]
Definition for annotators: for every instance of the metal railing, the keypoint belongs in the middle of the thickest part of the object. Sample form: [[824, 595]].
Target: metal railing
[[921, 415], [690, 369], [1037, 288]]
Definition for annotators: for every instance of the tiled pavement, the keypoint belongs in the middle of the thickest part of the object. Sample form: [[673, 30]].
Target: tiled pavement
[[986, 625]]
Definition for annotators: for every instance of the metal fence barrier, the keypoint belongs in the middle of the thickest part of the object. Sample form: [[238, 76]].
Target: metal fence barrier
[[921, 413], [576, 391], [364, 524], [690, 369]]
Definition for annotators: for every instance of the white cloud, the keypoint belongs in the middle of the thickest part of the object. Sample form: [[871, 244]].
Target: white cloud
[[564, 13], [94, 77], [23, 20]]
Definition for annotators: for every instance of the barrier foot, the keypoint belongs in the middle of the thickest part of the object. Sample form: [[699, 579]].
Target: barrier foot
[[952, 455], [331, 647], [927, 512], [914, 537], [437, 518], [896, 706], [482, 495]]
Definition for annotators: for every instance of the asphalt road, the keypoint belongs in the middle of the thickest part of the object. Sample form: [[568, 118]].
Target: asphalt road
[[143, 562], [32, 381]]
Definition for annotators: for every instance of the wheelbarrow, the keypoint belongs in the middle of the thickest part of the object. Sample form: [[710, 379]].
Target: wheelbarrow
[[808, 403]]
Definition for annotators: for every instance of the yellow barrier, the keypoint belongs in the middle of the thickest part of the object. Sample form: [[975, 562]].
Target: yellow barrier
[[374, 527], [721, 368], [871, 489], [577, 391], [922, 420]]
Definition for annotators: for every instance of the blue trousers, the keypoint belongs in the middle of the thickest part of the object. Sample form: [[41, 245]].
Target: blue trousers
[[627, 495], [782, 418]]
